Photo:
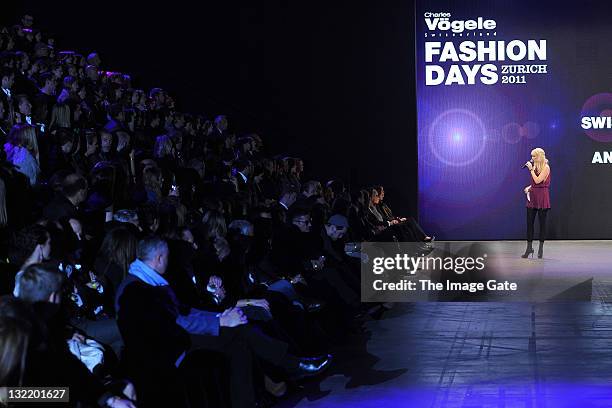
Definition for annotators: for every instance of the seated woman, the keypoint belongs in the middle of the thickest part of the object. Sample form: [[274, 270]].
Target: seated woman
[[118, 251], [22, 151], [389, 226], [410, 223]]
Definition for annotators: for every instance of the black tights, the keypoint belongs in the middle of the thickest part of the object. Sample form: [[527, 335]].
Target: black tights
[[531, 214]]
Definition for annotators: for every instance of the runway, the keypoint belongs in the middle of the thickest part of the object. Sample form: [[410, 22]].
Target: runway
[[487, 354]]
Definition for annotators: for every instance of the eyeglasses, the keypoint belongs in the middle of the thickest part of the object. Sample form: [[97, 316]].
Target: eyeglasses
[[307, 222]]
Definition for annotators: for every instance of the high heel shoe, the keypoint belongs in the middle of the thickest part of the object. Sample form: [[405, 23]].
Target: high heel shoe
[[528, 251], [541, 250]]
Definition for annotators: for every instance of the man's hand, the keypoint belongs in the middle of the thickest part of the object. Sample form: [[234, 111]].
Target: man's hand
[[254, 302], [232, 317]]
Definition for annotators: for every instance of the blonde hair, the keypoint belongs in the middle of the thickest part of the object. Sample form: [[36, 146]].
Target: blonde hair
[[214, 224], [163, 147], [60, 115], [540, 159], [24, 135]]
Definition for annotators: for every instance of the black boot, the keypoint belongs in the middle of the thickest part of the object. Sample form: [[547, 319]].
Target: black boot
[[528, 251], [541, 249]]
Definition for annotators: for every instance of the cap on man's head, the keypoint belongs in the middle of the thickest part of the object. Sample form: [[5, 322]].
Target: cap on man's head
[[338, 220]]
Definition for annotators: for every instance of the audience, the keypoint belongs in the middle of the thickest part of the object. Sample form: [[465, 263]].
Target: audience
[[172, 248]]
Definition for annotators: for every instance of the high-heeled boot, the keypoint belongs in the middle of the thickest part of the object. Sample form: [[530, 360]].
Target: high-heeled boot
[[541, 250], [528, 251]]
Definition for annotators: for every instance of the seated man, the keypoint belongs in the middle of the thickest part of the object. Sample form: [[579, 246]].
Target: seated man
[[51, 362], [158, 332], [334, 267], [66, 204], [311, 192], [31, 245]]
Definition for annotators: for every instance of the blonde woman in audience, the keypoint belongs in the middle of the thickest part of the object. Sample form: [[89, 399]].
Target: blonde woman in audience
[[22, 151]]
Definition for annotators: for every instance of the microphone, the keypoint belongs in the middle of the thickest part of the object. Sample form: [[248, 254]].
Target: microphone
[[525, 165]]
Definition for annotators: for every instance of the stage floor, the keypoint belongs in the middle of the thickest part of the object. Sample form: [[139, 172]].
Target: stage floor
[[486, 354]]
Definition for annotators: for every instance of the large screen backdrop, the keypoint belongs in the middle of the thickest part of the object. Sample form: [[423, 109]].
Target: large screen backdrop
[[495, 80]]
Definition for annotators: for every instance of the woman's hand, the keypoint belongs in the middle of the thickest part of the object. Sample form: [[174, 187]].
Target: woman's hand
[[298, 279], [129, 391], [215, 285], [529, 165], [526, 190], [220, 294], [91, 149], [215, 281]]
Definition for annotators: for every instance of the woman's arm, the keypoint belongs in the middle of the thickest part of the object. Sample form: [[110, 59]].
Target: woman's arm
[[542, 176]]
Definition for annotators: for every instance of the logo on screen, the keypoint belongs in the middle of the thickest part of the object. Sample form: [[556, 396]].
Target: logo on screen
[[442, 22], [596, 117]]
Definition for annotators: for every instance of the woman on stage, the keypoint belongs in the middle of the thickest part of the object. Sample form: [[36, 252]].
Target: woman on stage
[[538, 198]]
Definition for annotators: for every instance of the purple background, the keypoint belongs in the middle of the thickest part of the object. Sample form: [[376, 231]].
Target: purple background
[[473, 139]]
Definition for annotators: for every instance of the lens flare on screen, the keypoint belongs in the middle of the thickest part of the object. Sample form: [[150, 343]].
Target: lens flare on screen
[[457, 137]]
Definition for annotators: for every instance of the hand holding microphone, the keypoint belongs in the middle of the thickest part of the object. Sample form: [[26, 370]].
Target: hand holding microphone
[[529, 165]]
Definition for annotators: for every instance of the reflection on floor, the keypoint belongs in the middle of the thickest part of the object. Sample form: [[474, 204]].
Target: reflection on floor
[[475, 355]]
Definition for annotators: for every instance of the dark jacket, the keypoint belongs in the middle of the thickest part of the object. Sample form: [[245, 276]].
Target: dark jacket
[[60, 207], [50, 363], [292, 250]]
